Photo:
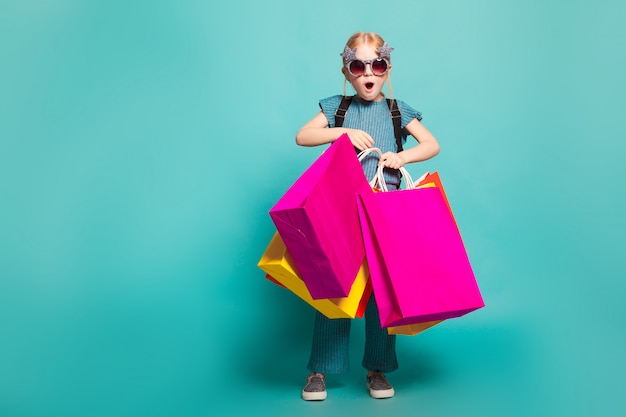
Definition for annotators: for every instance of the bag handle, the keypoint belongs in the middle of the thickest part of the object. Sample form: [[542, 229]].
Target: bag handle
[[377, 176], [409, 184]]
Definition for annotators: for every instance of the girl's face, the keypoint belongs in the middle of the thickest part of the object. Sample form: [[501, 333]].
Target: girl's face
[[367, 86]]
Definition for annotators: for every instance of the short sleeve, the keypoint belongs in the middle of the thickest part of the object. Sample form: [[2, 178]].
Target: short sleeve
[[329, 106], [408, 113]]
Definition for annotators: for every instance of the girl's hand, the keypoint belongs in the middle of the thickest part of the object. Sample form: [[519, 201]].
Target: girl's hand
[[391, 160], [360, 139]]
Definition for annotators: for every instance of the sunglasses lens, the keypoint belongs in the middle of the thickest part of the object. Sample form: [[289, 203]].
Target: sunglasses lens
[[356, 67], [379, 66]]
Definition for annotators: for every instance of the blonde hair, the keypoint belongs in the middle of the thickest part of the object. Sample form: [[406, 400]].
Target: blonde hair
[[374, 40]]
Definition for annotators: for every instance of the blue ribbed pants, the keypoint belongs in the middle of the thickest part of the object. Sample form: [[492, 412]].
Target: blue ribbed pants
[[331, 337]]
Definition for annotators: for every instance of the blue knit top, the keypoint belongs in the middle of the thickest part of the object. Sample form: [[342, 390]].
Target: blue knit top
[[374, 118]]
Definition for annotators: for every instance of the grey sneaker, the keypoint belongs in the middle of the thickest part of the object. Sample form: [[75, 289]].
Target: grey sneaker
[[315, 388], [379, 386]]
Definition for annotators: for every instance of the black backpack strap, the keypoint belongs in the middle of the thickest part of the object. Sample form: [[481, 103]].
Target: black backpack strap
[[396, 118], [340, 113]]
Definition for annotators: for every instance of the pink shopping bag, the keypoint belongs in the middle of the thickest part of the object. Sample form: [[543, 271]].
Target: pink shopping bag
[[419, 268], [318, 221]]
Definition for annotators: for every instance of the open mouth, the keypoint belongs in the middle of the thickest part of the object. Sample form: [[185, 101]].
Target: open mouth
[[369, 85]]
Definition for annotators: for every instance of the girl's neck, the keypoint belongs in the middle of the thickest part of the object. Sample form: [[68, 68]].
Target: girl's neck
[[380, 97]]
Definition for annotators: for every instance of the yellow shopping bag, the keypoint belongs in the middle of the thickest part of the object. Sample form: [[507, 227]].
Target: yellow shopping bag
[[279, 266], [412, 329]]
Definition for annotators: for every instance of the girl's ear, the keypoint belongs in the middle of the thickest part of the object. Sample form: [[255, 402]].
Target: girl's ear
[[344, 72]]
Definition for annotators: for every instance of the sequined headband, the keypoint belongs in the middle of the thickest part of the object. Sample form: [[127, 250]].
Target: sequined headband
[[383, 52]]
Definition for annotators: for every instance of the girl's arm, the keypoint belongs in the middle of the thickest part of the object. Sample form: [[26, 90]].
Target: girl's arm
[[427, 148], [316, 132]]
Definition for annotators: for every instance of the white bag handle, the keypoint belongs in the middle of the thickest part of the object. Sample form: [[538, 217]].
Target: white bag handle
[[378, 178], [368, 151], [408, 180]]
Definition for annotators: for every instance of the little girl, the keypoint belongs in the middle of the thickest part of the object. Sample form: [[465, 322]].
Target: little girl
[[368, 123]]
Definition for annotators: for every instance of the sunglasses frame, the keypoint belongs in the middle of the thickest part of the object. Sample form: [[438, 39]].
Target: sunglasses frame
[[365, 63]]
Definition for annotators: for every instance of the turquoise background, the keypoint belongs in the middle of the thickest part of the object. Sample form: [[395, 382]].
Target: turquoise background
[[142, 144]]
